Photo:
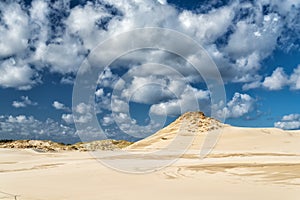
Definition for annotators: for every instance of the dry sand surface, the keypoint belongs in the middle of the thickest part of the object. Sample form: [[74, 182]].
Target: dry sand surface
[[246, 164]]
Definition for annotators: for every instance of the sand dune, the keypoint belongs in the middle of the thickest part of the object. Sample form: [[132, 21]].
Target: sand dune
[[246, 163]]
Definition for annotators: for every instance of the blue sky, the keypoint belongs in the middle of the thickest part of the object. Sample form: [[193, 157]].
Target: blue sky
[[43, 43]]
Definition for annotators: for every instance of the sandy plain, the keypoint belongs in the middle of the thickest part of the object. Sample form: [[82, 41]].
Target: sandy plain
[[246, 163]]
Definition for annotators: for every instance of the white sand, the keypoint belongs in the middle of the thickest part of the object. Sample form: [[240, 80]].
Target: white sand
[[245, 164]]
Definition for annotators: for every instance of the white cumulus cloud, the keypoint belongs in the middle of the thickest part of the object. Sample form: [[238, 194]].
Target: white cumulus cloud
[[238, 106], [238, 35], [25, 101], [16, 74], [277, 80], [289, 122], [60, 106], [14, 32], [68, 118]]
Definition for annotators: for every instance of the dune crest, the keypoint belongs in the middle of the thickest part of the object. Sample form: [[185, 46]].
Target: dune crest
[[192, 124]]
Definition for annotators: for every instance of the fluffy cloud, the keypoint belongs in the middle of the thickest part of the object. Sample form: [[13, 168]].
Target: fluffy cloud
[[99, 92], [27, 127], [238, 106], [291, 117], [147, 90], [212, 25], [60, 106], [57, 49], [66, 56], [82, 113], [241, 42], [68, 118], [16, 74], [238, 35], [107, 120], [289, 122], [67, 80], [13, 29], [119, 105], [277, 80], [289, 125], [25, 101], [84, 21], [252, 85], [162, 88], [83, 108], [238, 55]]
